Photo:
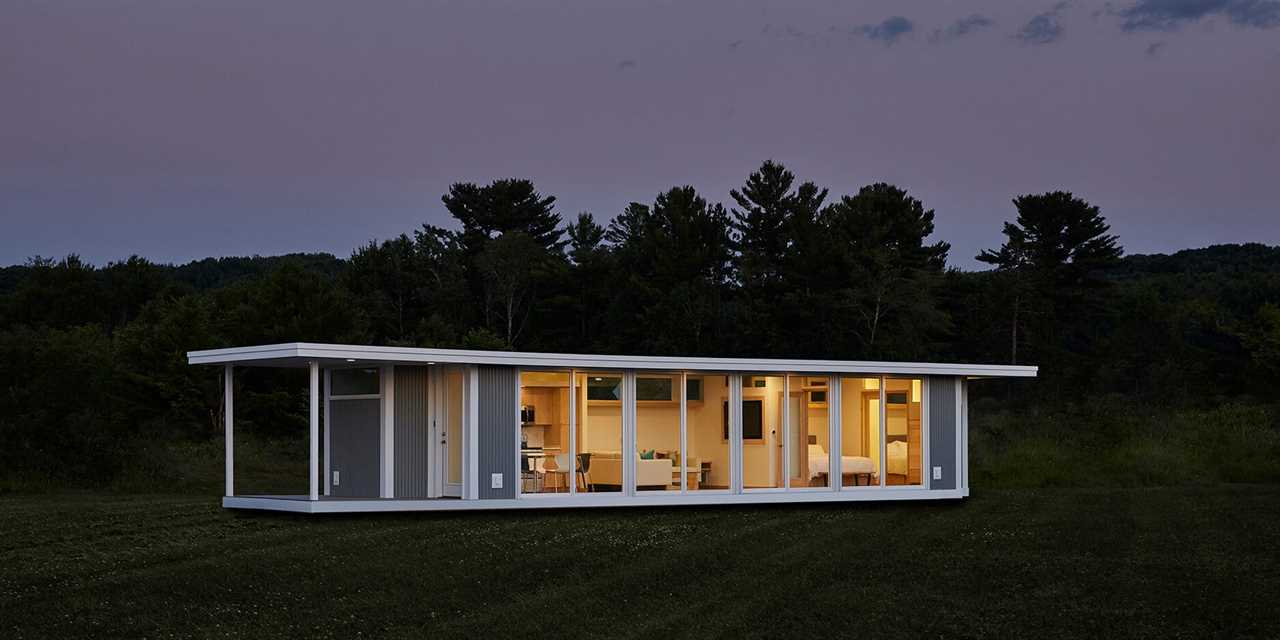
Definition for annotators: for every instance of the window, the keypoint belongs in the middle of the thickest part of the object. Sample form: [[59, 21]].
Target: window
[[599, 431], [651, 389], [354, 382], [809, 441], [860, 432], [545, 429], [658, 459], [902, 437], [604, 388], [708, 455], [762, 432], [693, 389]]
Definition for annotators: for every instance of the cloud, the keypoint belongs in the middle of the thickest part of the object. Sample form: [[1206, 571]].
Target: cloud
[[626, 64], [1042, 28], [1154, 48], [888, 31], [961, 27], [1165, 15]]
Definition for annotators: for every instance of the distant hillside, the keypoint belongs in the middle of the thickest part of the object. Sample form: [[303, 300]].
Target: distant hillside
[[212, 273], [1223, 259]]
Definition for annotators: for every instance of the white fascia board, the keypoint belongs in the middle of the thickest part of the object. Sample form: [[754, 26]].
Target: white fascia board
[[297, 353], [565, 501]]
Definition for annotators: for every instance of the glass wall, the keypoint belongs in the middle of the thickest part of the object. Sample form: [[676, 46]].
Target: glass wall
[[545, 432], [599, 432], [810, 432], [902, 441], [708, 423], [860, 432], [762, 432], [658, 433]]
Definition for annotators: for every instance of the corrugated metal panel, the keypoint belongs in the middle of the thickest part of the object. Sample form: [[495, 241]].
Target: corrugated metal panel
[[942, 431], [498, 424], [411, 432], [354, 427]]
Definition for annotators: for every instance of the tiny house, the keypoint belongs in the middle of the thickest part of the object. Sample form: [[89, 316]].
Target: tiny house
[[410, 429]]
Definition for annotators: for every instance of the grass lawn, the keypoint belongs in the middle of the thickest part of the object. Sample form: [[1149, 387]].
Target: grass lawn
[[1071, 563]]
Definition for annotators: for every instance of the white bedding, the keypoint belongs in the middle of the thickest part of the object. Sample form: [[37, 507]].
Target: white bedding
[[820, 462]]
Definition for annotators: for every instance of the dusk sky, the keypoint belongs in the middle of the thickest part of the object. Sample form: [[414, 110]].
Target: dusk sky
[[177, 130]]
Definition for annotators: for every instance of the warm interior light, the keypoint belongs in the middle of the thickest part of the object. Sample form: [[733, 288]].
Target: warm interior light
[[598, 379]]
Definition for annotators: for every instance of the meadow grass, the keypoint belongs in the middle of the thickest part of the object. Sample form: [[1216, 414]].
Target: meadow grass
[[1196, 561]]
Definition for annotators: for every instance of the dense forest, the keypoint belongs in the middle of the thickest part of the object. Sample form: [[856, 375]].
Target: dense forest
[[1154, 368]]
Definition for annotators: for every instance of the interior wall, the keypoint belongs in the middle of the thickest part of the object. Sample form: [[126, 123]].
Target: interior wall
[[760, 460], [705, 428]]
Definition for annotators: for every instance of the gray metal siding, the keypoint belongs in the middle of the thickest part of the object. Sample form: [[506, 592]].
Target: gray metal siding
[[942, 431], [354, 427], [412, 429], [498, 430]]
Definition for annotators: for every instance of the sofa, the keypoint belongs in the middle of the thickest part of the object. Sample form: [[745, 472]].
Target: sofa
[[606, 469]]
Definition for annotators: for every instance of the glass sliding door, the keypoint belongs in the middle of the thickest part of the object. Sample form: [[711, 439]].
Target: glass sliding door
[[809, 441], [708, 431], [762, 432], [545, 429], [599, 431], [903, 443], [657, 454], [860, 432]]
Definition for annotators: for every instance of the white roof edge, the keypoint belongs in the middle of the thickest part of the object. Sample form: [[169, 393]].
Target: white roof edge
[[298, 352]]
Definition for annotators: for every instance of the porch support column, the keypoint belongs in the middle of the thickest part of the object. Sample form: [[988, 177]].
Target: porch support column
[[314, 493], [227, 412]]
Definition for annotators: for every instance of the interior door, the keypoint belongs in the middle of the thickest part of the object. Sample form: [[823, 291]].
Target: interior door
[[797, 406]]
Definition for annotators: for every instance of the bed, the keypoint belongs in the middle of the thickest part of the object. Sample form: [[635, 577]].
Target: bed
[[820, 461]]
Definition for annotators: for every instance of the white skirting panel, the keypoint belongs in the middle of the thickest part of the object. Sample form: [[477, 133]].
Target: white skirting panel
[[293, 503]]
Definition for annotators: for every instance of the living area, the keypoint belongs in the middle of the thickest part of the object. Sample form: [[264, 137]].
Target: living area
[[572, 435]]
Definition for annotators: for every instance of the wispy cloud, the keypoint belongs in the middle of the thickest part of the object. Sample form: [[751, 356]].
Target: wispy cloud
[[1154, 48], [961, 28], [888, 31], [1043, 28], [1146, 15], [626, 64]]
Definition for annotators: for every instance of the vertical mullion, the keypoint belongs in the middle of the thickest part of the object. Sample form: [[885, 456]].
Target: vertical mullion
[[884, 431], [786, 431], [573, 430], [835, 423], [228, 413], [684, 435]]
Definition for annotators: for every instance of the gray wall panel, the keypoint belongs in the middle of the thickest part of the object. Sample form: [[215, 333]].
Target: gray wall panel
[[412, 429], [354, 427], [498, 419], [942, 431]]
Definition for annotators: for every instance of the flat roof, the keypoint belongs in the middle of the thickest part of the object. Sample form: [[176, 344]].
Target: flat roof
[[298, 354]]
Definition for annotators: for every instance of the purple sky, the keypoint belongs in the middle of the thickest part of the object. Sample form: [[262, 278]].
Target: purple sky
[[177, 129]]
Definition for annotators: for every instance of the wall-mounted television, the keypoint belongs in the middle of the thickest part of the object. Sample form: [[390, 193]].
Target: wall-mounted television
[[752, 420]]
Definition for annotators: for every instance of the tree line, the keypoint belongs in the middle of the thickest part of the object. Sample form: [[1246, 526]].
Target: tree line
[[92, 360]]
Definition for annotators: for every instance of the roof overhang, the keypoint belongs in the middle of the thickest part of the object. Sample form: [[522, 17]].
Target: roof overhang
[[299, 354]]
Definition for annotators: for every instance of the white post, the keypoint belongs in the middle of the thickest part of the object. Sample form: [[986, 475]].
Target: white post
[[314, 493], [386, 484], [228, 409]]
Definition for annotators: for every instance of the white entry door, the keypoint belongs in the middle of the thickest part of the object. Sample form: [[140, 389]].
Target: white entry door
[[445, 444]]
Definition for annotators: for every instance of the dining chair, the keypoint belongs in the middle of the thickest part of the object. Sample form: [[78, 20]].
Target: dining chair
[[584, 470]]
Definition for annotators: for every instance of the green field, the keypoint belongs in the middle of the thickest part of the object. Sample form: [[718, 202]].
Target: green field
[[1166, 562]]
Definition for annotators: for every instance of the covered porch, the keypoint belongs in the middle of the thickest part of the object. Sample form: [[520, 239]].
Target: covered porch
[[377, 431]]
